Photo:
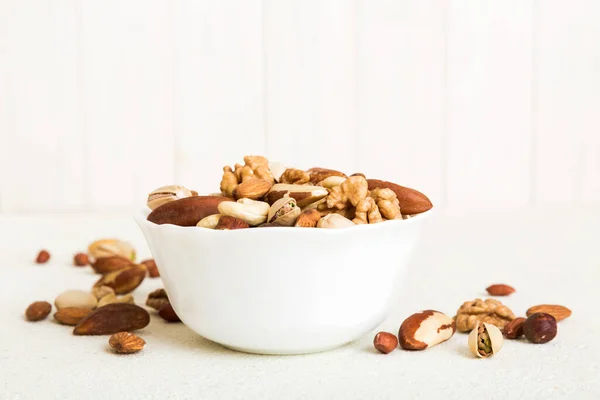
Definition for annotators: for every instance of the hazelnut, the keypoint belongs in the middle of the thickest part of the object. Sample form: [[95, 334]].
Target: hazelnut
[[385, 342], [540, 328], [80, 260], [42, 257], [514, 329], [168, 313]]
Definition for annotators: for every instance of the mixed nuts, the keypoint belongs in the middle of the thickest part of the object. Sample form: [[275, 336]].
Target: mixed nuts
[[264, 194], [487, 321]]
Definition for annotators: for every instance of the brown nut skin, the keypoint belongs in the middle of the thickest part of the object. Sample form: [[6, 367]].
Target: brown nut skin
[[124, 280], [514, 329], [308, 219], [500, 289], [43, 257], [385, 342], [227, 222], [71, 315], [318, 174], [557, 311], [540, 328], [411, 201], [187, 211], [38, 311], [80, 260], [151, 267], [126, 343], [113, 318], [168, 313], [104, 265]]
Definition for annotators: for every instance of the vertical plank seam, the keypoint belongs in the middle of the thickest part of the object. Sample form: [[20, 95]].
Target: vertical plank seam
[[175, 126], [535, 26], [356, 82], [265, 76], [445, 93], [83, 120]]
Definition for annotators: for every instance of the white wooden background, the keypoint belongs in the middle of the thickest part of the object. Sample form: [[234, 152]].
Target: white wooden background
[[491, 103]]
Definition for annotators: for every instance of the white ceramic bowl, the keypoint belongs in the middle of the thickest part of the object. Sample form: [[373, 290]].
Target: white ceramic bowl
[[282, 290]]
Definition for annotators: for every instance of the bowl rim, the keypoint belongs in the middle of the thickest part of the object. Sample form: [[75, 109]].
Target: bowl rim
[[141, 218]]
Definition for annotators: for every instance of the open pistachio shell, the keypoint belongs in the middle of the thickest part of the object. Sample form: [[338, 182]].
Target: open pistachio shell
[[284, 212], [490, 345]]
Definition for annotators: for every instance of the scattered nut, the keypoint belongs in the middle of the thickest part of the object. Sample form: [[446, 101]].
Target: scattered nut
[[334, 221], [111, 319], [124, 280], [42, 257], [157, 299], [558, 312], [385, 342], [101, 291], [425, 329], [110, 247], [489, 311], [75, 298], [80, 260], [105, 265], [126, 343], [209, 222], [485, 340], [165, 194], [308, 219], [71, 315], [168, 313], [227, 223], [151, 267], [514, 329], [500, 290], [38, 311], [540, 328], [112, 299]]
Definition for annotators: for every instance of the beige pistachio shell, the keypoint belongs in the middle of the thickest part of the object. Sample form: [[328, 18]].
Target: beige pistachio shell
[[252, 211], [496, 340], [165, 194], [209, 222], [287, 219]]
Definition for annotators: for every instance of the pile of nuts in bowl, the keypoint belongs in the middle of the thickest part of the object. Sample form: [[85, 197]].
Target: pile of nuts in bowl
[[487, 322], [264, 194]]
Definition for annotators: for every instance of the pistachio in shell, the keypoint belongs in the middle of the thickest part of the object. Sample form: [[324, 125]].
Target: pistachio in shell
[[284, 212], [485, 340]]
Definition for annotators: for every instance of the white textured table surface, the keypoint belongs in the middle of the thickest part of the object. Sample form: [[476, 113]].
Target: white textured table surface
[[549, 256]]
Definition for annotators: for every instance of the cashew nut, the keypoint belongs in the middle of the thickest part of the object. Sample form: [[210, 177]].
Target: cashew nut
[[334, 221]]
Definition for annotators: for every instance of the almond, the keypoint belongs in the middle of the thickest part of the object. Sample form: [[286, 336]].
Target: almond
[[557, 311], [124, 280], [252, 189], [500, 290], [38, 311], [71, 315], [113, 318], [126, 342], [105, 265], [411, 200], [319, 174], [229, 223], [187, 211]]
